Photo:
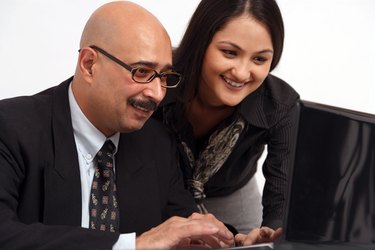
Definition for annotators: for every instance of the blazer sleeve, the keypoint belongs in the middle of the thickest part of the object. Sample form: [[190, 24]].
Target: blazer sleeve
[[276, 168]]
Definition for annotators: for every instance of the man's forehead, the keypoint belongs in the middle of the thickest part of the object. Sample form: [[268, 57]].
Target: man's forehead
[[153, 54]]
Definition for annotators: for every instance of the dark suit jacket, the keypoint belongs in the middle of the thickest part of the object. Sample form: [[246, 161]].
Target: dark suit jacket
[[40, 190]]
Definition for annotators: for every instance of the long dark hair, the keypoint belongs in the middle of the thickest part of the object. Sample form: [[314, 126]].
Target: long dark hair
[[211, 16]]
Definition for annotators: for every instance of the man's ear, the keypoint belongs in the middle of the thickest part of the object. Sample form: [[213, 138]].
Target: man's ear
[[87, 59]]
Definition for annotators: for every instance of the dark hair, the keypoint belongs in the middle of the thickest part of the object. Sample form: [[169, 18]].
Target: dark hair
[[210, 17]]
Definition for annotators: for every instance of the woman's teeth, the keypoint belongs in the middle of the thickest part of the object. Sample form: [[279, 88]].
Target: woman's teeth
[[233, 84]]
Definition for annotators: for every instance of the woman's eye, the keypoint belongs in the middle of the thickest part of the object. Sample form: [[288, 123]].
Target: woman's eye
[[229, 52], [260, 59]]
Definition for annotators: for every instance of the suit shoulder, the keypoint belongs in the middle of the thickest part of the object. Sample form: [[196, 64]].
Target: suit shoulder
[[27, 102], [25, 110]]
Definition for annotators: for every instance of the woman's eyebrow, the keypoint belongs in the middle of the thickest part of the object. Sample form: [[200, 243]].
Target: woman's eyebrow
[[231, 44], [239, 48]]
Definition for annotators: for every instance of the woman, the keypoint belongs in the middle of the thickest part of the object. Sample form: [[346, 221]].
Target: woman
[[229, 107]]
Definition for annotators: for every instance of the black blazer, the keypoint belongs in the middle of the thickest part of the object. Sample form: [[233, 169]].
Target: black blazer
[[40, 190]]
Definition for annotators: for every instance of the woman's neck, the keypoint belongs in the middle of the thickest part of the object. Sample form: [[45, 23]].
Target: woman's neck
[[204, 118]]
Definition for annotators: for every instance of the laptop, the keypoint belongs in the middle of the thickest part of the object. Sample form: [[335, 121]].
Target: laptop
[[331, 201], [332, 189]]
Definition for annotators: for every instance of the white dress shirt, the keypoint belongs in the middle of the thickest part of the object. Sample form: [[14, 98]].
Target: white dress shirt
[[89, 140]]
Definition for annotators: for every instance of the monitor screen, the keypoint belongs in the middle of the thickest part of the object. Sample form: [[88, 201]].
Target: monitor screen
[[332, 189]]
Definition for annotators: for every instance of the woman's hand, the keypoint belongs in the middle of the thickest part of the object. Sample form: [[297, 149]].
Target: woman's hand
[[258, 235]]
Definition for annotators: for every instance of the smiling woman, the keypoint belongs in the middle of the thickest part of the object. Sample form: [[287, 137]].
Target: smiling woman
[[229, 107], [231, 58]]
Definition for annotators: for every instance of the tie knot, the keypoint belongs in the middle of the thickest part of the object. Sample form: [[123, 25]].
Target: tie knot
[[105, 154]]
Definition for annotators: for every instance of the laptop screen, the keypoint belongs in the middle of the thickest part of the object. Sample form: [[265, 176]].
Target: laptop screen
[[332, 189]]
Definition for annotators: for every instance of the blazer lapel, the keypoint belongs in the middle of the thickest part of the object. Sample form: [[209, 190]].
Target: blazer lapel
[[63, 204]]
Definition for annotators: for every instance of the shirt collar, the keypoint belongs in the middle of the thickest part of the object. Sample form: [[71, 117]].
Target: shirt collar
[[86, 134]]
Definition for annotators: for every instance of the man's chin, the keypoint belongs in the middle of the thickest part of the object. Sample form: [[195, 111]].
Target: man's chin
[[135, 126]]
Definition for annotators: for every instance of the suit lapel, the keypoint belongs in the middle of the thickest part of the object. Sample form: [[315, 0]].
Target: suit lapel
[[63, 204]]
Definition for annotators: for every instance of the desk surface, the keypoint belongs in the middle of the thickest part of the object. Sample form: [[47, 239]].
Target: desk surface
[[307, 246], [321, 246]]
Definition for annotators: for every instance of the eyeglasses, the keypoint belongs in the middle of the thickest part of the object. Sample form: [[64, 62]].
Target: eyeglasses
[[141, 74]]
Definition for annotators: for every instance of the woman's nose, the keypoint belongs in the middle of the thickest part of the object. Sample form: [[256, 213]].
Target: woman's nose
[[242, 72]]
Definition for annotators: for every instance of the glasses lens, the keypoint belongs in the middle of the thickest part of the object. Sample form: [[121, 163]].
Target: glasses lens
[[142, 74], [146, 75], [172, 79]]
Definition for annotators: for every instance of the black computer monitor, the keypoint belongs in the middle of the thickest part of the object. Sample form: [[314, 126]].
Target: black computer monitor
[[332, 189]]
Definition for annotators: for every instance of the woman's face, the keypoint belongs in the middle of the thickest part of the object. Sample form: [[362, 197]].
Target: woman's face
[[236, 62]]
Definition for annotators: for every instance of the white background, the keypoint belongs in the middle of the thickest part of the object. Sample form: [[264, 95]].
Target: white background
[[328, 57]]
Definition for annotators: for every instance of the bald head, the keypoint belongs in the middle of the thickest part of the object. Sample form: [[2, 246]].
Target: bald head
[[125, 28], [103, 87], [117, 23]]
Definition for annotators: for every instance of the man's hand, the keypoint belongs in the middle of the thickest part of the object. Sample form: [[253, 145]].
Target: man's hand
[[258, 235], [197, 230]]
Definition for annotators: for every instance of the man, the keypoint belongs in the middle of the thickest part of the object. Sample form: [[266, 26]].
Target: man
[[48, 144]]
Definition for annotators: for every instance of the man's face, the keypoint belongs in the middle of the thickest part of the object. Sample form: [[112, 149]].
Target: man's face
[[118, 103]]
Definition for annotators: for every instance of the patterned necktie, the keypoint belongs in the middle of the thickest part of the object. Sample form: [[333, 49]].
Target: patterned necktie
[[104, 214]]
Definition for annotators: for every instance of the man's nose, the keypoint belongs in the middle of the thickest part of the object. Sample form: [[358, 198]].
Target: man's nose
[[155, 90]]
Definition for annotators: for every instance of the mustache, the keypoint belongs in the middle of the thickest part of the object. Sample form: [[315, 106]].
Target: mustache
[[146, 104]]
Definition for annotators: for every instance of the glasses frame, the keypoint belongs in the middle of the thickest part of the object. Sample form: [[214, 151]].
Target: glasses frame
[[133, 70]]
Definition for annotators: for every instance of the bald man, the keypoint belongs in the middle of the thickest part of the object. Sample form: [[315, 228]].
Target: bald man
[[51, 144]]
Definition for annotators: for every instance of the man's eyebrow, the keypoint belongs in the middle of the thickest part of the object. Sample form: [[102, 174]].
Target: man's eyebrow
[[153, 65]]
